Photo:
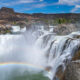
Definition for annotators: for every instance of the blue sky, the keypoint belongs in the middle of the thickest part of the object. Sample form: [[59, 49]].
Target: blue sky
[[42, 6]]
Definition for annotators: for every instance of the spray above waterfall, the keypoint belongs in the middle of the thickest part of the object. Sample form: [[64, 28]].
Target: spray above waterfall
[[39, 47]]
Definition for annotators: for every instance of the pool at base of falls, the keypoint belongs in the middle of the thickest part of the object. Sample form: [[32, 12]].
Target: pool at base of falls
[[21, 72]]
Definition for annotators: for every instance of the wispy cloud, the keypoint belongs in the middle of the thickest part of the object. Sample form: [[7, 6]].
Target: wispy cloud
[[39, 5], [27, 5], [75, 8], [75, 3], [25, 1], [33, 6], [17, 2], [41, 0], [69, 2], [4, 4]]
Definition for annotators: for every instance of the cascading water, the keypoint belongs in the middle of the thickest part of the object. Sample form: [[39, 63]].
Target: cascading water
[[39, 47], [58, 49]]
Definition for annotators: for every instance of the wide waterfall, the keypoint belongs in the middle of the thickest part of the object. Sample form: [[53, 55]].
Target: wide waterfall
[[37, 47]]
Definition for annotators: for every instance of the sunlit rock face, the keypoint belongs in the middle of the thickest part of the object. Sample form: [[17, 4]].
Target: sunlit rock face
[[65, 29]]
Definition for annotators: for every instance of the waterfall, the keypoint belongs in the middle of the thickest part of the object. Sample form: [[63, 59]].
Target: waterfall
[[40, 47], [58, 49]]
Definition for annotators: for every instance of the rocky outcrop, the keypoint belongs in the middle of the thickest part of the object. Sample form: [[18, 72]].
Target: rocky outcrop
[[10, 15], [72, 71], [77, 55], [69, 16], [5, 29], [65, 29], [7, 10]]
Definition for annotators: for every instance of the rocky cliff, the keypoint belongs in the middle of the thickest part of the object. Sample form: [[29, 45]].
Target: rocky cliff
[[8, 14], [72, 71], [9, 17]]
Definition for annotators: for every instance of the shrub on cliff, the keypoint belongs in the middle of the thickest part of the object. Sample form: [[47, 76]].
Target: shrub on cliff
[[61, 21], [27, 20]]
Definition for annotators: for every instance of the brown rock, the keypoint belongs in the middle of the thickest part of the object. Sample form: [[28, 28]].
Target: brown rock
[[8, 10], [60, 73], [72, 71], [64, 29], [76, 56]]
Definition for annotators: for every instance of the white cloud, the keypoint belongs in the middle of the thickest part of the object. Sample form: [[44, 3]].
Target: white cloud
[[16, 2], [25, 1], [35, 6], [69, 2], [75, 8], [41, 0], [75, 3]]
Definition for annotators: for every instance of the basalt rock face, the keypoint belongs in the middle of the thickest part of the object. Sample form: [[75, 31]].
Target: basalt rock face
[[8, 14], [8, 10], [65, 29], [69, 16], [72, 71]]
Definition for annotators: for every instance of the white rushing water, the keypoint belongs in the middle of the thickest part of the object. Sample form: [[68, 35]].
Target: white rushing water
[[40, 48]]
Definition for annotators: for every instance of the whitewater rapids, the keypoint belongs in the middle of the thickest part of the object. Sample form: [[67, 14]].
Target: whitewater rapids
[[39, 47]]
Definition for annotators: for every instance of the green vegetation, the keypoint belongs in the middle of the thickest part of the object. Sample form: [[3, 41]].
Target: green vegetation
[[5, 31], [14, 23], [27, 20], [56, 21], [44, 20], [62, 21]]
